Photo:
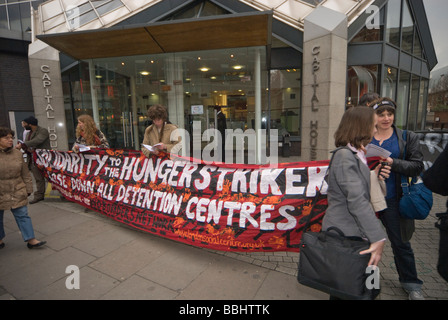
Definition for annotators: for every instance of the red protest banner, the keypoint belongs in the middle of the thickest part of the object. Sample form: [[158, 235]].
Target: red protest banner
[[230, 207]]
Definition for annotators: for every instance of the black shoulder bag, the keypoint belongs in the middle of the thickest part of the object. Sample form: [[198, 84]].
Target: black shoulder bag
[[330, 262]]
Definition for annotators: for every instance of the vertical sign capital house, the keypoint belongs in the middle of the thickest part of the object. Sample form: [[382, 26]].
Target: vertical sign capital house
[[48, 98], [324, 78]]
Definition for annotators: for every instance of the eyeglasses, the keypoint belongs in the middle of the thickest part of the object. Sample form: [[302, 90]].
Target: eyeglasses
[[7, 138]]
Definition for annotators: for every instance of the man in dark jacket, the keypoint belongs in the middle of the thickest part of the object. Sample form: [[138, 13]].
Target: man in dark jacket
[[221, 126], [37, 138], [436, 179]]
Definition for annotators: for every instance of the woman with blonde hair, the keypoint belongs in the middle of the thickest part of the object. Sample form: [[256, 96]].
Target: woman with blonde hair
[[88, 134]]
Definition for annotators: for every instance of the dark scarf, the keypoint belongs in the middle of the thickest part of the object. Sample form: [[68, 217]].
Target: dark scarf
[[6, 150]]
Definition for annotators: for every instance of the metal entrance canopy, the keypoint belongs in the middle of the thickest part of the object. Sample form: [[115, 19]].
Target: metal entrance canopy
[[217, 32]]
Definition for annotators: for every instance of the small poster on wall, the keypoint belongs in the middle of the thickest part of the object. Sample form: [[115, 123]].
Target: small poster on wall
[[197, 109]]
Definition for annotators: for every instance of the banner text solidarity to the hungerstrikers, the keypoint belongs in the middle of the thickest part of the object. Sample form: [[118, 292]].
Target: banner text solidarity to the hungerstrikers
[[231, 207]]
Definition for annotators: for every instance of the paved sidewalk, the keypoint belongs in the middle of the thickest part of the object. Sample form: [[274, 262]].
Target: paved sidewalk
[[118, 262]]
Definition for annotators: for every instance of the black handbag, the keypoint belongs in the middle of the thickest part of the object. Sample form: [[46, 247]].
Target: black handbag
[[330, 262]]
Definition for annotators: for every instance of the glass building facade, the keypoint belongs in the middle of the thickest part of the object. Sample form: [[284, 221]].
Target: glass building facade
[[15, 14], [254, 85], [395, 64], [15, 85], [190, 84]]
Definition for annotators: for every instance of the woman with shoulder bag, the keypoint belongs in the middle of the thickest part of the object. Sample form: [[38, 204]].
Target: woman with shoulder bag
[[399, 230], [349, 207]]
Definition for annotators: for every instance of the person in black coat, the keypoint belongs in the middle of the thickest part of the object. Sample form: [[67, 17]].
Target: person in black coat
[[222, 126], [399, 230], [436, 179]]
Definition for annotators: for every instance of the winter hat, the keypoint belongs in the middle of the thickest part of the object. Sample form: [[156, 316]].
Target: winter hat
[[31, 120]]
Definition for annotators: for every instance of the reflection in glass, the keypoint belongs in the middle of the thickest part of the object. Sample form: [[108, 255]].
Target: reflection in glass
[[25, 13], [107, 7], [313, 2], [14, 17], [390, 82], [417, 45], [372, 34], [3, 18], [402, 99], [413, 103], [393, 22], [361, 80], [285, 101], [421, 113], [407, 29]]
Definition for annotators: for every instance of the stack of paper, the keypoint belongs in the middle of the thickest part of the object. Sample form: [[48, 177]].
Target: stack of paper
[[152, 148], [83, 147], [375, 151]]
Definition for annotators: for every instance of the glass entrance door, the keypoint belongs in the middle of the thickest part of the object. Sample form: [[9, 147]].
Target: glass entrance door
[[112, 106]]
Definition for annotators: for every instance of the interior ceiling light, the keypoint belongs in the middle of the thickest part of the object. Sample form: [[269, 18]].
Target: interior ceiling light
[[237, 67], [204, 69], [144, 73]]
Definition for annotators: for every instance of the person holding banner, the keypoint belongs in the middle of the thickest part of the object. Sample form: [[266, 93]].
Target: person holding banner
[[14, 190], [88, 135], [349, 207], [399, 230], [159, 135]]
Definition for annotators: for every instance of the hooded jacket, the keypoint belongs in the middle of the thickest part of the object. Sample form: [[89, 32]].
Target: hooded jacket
[[16, 182]]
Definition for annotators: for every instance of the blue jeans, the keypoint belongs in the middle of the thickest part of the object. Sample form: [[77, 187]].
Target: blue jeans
[[23, 222], [403, 253]]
